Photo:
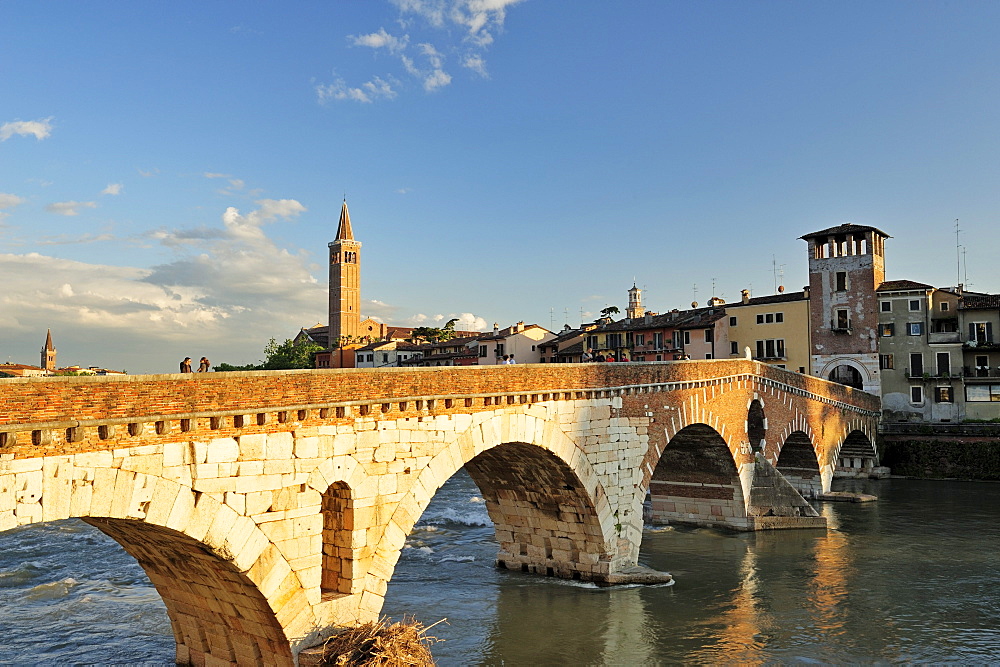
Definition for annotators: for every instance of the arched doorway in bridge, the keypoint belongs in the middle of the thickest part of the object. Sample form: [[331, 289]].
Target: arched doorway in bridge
[[696, 481], [847, 375], [857, 456], [798, 464]]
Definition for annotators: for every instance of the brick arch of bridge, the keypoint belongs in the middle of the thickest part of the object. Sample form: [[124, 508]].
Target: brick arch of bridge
[[228, 591], [726, 406]]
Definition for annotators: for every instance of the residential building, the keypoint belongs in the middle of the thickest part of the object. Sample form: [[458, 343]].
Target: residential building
[[774, 328], [920, 352], [451, 352], [979, 320], [520, 340], [386, 354]]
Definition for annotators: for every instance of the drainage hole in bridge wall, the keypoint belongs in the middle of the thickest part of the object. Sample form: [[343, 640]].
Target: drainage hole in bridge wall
[[185, 425], [162, 428], [6, 439], [303, 415], [135, 429]]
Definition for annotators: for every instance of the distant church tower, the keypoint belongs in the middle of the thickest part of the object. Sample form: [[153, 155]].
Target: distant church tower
[[48, 353], [635, 308], [345, 282]]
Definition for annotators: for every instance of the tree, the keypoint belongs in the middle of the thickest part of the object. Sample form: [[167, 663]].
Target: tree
[[280, 356], [609, 311]]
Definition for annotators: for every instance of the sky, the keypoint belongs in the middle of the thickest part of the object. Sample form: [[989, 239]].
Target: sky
[[171, 173]]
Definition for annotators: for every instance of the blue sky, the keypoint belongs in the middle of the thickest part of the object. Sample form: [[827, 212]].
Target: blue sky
[[170, 174]]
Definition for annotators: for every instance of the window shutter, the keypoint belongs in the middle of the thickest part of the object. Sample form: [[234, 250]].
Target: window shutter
[[989, 332], [972, 331]]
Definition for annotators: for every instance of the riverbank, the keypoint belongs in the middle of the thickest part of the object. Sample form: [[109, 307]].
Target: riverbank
[[941, 451]]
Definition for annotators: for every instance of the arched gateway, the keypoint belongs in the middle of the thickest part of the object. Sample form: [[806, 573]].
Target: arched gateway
[[270, 508]]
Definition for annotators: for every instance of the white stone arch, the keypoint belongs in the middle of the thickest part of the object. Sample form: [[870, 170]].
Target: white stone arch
[[485, 434], [135, 507]]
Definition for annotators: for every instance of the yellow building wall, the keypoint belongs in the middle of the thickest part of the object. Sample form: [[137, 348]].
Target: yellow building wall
[[793, 330]]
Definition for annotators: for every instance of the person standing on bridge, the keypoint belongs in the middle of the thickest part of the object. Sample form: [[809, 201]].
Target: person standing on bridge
[[204, 365], [186, 365], [510, 360]]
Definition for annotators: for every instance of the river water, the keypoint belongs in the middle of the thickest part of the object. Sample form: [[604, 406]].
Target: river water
[[910, 578]]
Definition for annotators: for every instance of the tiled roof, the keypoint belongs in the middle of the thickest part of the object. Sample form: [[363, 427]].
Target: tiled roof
[[773, 298], [981, 302], [902, 285], [846, 228]]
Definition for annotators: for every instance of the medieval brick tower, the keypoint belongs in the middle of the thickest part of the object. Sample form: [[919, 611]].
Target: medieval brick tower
[[345, 283], [48, 353], [846, 266]]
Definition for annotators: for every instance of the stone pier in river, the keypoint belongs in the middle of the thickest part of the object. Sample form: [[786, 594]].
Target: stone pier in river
[[269, 508]]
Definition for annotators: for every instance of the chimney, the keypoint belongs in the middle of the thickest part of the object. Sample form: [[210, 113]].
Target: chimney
[[746, 296]]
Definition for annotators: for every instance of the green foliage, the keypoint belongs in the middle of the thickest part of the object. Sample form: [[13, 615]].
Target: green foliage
[[71, 373], [609, 311], [5, 375], [280, 356]]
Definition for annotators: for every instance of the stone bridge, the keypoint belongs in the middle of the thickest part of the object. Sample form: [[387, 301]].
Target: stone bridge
[[269, 508]]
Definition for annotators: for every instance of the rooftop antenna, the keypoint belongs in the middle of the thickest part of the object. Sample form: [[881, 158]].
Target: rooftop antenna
[[566, 314], [958, 255], [965, 268], [778, 271], [552, 318]]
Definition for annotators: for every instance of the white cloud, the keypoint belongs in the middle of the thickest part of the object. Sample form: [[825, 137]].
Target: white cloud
[[8, 201], [381, 40], [227, 289], [476, 64], [113, 189], [69, 207], [376, 89], [211, 174], [41, 129], [436, 79]]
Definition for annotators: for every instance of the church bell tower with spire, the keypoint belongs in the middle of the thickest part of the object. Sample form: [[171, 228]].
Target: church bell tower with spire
[[48, 353], [345, 283]]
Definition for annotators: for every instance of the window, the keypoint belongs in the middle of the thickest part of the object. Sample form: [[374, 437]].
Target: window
[[943, 364], [709, 335], [914, 328], [885, 306], [760, 319], [942, 395], [708, 355], [385, 357], [734, 347], [614, 340], [944, 306], [885, 362], [981, 332], [887, 329], [592, 342], [916, 364], [843, 320], [732, 321], [361, 358], [687, 337], [916, 395], [658, 340], [914, 304], [629, 339], [779, 317], [769, 318], [982, 393], [482, 351], [982, 365], [640, 339], [841, 281], [771, 349], [371, 357]]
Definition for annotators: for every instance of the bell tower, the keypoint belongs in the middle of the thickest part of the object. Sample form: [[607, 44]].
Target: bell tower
[[345, 283], [635, 308], [48, 353]]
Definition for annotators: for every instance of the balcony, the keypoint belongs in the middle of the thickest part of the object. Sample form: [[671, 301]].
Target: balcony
[[973, 373], [980, 344], [840, 326], [928, 374], [944, 337]]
